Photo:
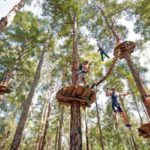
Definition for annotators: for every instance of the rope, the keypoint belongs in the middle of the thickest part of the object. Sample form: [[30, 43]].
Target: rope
[[114, 61]]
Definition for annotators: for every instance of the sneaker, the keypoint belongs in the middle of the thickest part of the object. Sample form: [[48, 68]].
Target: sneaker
[[128, 125]]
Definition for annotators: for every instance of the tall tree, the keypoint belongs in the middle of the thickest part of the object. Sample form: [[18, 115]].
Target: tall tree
[[99, 127], [45, 127], [18, 133], [60, 127], [68, 13]]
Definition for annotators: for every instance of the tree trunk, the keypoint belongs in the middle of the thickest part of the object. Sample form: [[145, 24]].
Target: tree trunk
[[18, 133], [75, 124], [40, 128], [43, 127], [138, 81], [60, 127], [2, 144], [86, 128], [136, 104], [7, 20], [44, 133], [75, 134], [144, 110], [56, 137], [99, 126], [132, 138]]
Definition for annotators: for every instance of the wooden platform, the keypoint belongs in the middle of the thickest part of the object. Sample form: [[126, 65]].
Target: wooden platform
[[4, 89], [84, 95], [127, 46], [144, 130]]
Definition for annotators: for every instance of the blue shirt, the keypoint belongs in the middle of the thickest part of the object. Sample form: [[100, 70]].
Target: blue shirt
[[101, 50], [115, 98]]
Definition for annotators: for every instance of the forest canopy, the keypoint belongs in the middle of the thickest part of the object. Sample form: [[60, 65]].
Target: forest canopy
[[60, 63]]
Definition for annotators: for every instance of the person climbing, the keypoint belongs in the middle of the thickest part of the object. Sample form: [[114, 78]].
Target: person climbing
[[82, 71], [116, 105], [102, 52]]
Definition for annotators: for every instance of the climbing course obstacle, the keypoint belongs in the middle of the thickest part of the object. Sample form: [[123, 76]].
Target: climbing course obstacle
[[125, 49], [114, 61], [84, 95]]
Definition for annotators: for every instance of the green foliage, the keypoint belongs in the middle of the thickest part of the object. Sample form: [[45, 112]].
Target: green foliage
[[26, 37], [142, 24]]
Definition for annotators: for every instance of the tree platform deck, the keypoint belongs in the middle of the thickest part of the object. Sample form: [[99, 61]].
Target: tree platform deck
[[84, 95], [127, 46], [144, 130]]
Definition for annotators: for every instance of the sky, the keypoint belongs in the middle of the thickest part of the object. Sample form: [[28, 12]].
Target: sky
[[6, 6]]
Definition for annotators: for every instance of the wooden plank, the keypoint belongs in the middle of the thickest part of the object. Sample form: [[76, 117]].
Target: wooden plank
[[68, 103], [67, 97]]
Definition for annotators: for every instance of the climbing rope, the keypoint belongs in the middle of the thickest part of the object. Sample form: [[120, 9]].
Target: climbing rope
[[114, 61]]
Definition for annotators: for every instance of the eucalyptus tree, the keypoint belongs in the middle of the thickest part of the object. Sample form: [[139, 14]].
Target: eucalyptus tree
[[29, 33], [66, 18], [17, 47]]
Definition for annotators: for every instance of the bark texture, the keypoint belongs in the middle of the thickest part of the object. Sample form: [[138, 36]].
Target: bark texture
[[60, 127], [138, 81], [75, 124], [75, 134], [99, 126], [18, 133], [43, 127]]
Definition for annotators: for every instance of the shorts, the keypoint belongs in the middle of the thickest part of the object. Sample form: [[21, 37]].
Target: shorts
[[117, 108]]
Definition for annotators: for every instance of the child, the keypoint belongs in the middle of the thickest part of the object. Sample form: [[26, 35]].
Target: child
[[82, 71]]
